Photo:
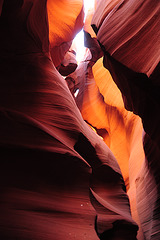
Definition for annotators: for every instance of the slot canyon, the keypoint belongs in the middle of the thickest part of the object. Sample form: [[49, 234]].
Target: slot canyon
[[80, 139]]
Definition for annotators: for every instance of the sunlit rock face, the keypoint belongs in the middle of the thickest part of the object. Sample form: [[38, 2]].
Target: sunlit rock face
[[65, 21], [101, 105], [69, 63], [58, 178], [129, 35]]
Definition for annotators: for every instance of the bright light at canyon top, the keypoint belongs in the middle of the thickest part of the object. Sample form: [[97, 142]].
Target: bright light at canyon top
[[79, 39]]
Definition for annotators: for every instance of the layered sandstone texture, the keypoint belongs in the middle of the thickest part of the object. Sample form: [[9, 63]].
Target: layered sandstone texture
[[129, 35], [58, 179], [76, 162]]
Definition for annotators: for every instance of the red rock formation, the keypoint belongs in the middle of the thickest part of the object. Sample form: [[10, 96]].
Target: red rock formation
[[58, 179], [133, 26], [102, 107], [65, 21], [69, 63], [129, 34]]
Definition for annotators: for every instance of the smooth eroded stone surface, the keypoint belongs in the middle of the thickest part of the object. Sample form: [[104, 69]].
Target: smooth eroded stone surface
[[130, 32], [58, 179]]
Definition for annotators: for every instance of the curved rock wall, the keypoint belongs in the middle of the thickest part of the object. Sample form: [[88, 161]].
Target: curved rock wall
[[58, 179], [129, 35]]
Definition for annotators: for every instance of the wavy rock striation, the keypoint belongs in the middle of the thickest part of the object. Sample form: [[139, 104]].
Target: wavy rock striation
[[129, 35], [58, 179]]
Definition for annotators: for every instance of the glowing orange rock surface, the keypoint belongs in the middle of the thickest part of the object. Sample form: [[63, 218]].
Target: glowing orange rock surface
[[58, 179], [129, 35], [65, 21]]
